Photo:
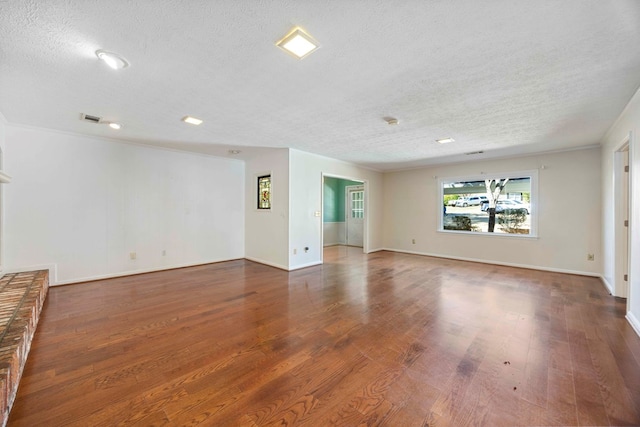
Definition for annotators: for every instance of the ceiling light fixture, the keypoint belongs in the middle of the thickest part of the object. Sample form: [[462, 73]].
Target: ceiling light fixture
[[298, 43], [191, 120], [445, 140], [113, 60], [391, 120], [116, 126]]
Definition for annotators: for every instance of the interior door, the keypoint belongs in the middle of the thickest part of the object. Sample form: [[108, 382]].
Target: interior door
[[625, 210], [354, 215]]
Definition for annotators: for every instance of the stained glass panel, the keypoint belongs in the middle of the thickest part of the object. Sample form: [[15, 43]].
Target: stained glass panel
[[264, 192]]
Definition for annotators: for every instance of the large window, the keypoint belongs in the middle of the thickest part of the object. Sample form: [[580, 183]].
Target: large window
[[502, 204]]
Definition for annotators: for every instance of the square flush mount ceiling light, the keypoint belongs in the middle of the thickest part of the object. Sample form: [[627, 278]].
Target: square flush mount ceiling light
[[191, 120], [298, 43]]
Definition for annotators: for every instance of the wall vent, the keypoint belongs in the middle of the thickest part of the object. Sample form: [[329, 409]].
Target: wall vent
[[90, 118]]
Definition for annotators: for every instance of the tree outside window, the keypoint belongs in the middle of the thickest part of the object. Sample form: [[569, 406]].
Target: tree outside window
[[497, 204]]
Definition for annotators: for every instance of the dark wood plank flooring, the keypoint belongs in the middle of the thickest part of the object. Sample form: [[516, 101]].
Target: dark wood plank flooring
[[380, 339]]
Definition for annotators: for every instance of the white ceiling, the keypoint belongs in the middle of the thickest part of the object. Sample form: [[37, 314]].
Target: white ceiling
[[502, 76]]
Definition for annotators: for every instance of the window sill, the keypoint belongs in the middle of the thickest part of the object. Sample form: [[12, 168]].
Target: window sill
[[486, 234]]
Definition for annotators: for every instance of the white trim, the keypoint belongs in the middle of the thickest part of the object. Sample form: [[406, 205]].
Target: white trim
[[506, 264], [532, 174], [120, 141], [621, 234], [376, 250], [606, 284], [494, 234], [365, 229], [309, 264], [53, 271], [433, 162], [255, 191], [631, 229], [344, 162], [270, 264], [620, 116], [634, 322]]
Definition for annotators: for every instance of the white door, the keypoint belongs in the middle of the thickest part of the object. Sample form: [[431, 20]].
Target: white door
[[625, 210], [354, 215]]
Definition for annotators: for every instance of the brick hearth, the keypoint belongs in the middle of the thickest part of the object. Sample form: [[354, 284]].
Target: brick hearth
[[21, 298]]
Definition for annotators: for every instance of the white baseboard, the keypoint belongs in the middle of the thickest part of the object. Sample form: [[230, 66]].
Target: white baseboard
[[53, 271], [506, 264], [309, 264], [635, 323], [606, 284], [270, 264], [369, 251]]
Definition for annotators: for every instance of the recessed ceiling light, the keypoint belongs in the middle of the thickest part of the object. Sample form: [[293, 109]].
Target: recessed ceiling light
[[115, 126], [445, 140], [191, 120], [113, 60], [298, 43]]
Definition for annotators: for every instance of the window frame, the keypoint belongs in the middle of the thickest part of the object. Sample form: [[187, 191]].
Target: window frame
[[533, 203], [258, 195]]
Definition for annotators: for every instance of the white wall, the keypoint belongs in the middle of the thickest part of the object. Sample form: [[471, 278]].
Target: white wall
[[569, 214], [267, 231], [627, 124], [3, 127], [335, 233], [84, 204], [306, 199], [3, 137]]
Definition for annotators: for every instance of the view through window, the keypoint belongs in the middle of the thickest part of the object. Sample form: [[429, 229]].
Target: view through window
[[498, 204]]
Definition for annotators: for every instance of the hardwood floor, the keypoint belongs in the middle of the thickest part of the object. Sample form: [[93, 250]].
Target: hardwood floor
[[380, 339]]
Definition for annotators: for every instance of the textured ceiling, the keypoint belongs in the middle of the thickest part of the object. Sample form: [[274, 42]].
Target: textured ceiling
[[501, 76]]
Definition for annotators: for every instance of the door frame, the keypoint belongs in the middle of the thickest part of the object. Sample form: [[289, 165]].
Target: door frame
[[365, 230], [622, 212], [347, 209]]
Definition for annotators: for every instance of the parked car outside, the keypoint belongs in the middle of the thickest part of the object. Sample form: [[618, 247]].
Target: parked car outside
[[502, 205], [470, 201]]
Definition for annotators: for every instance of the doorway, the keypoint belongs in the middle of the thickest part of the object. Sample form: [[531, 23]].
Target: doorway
[[344, 211], [621, 217], [354, 215]]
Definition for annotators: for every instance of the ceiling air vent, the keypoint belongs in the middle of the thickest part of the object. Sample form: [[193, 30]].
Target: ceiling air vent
[[474, 153], [89, 118]]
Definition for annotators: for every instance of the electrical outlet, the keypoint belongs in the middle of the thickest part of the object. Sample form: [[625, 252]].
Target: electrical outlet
[[590, 257], [295, 251], [132, 256], [413, 241]]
